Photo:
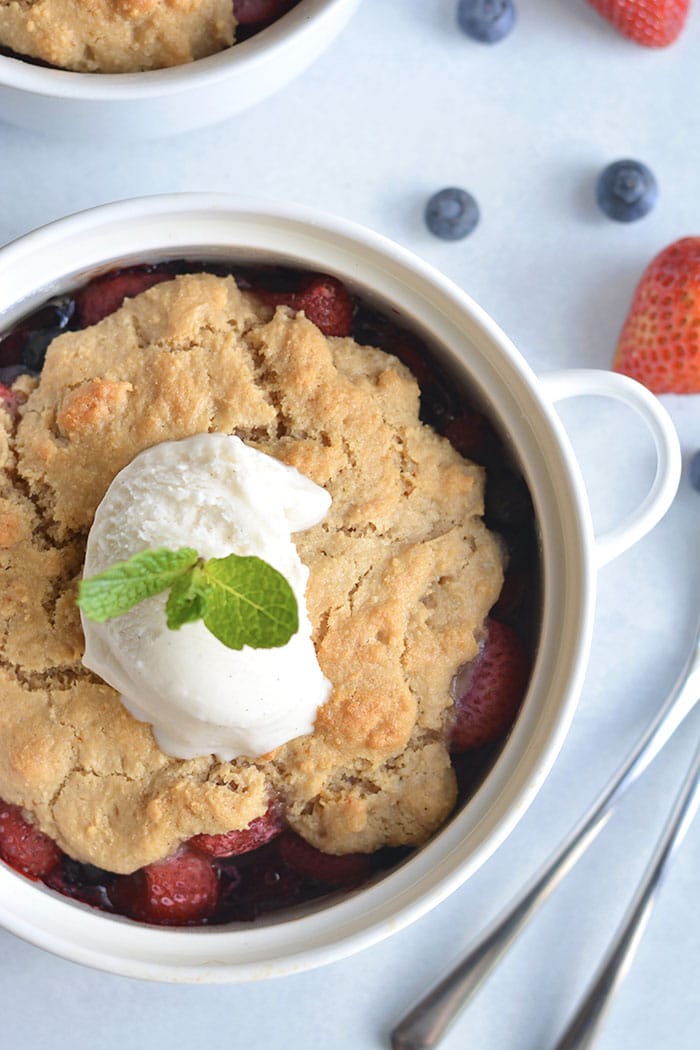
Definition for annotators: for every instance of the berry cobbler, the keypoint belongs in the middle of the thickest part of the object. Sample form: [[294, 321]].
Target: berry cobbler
[[422, 591], [129, 36]]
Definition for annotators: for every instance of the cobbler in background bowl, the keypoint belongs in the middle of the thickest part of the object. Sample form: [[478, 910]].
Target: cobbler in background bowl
[[130, 36], [145, 68]]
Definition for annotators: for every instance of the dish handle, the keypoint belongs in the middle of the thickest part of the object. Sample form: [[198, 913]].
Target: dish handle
[[578, 382]]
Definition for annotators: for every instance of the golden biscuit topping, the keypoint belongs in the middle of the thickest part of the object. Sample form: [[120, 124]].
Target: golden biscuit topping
[[116, 36], [402, 574]]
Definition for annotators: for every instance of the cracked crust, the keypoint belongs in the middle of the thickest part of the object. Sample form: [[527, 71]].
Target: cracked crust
[[402, 574], [116, 36]]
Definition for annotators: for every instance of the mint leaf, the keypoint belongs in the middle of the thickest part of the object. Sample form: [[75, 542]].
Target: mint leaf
[[188, 599], [242, 600], [117, 589], [248, 602]]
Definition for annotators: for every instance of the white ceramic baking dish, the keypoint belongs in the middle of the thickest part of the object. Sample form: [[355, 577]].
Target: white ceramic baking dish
[[477, 353]]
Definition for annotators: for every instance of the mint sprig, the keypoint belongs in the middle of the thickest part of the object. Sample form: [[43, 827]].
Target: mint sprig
[[242, 600], [127, 583]]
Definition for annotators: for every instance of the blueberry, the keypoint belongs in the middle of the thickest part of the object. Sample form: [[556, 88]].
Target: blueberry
[[77, 874], [487, 21], [8, 373], [34, 350], [451, 214], [695, 471], [439, 404], [508, 500], [626, 190], [44, 326]]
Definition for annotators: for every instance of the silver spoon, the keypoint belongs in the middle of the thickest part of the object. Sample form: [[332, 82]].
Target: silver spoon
[[583, 1028], [427, 1022]]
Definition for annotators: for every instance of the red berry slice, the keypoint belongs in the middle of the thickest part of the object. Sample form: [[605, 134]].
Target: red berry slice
[[473, 437], [324, 300], [23, 846], [260, 12], [11, 400], [491, 689], [106, 294], [324, 867], [233, 843], [179, 891]]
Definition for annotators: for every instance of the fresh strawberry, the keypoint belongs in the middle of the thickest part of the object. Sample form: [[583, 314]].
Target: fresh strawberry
[[346, 869], [106, 294], [324, 300], [233, 843], [653, 23], [660, 340], [491, 689], [260, 12], [178, 891], [23, 846]]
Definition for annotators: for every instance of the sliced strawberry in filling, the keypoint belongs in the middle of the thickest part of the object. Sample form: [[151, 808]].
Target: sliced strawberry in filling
[[324, 300], [234, 843], [23, 846], [260, 12], [11, 400], [300, 855], [490, 689], [179, 891], [106, 294]]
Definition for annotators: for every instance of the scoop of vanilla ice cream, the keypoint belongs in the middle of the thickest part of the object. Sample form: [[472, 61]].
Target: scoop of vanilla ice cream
[[218, 495]]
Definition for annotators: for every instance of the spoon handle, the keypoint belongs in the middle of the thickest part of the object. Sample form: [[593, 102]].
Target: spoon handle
[[426, 1023], [585, 1023]]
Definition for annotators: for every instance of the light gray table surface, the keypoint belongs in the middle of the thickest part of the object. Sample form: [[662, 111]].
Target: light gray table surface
[[398, 107]]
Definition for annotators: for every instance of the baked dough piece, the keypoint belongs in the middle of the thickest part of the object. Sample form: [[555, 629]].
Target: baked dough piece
[[116, 36], [402, 574]]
